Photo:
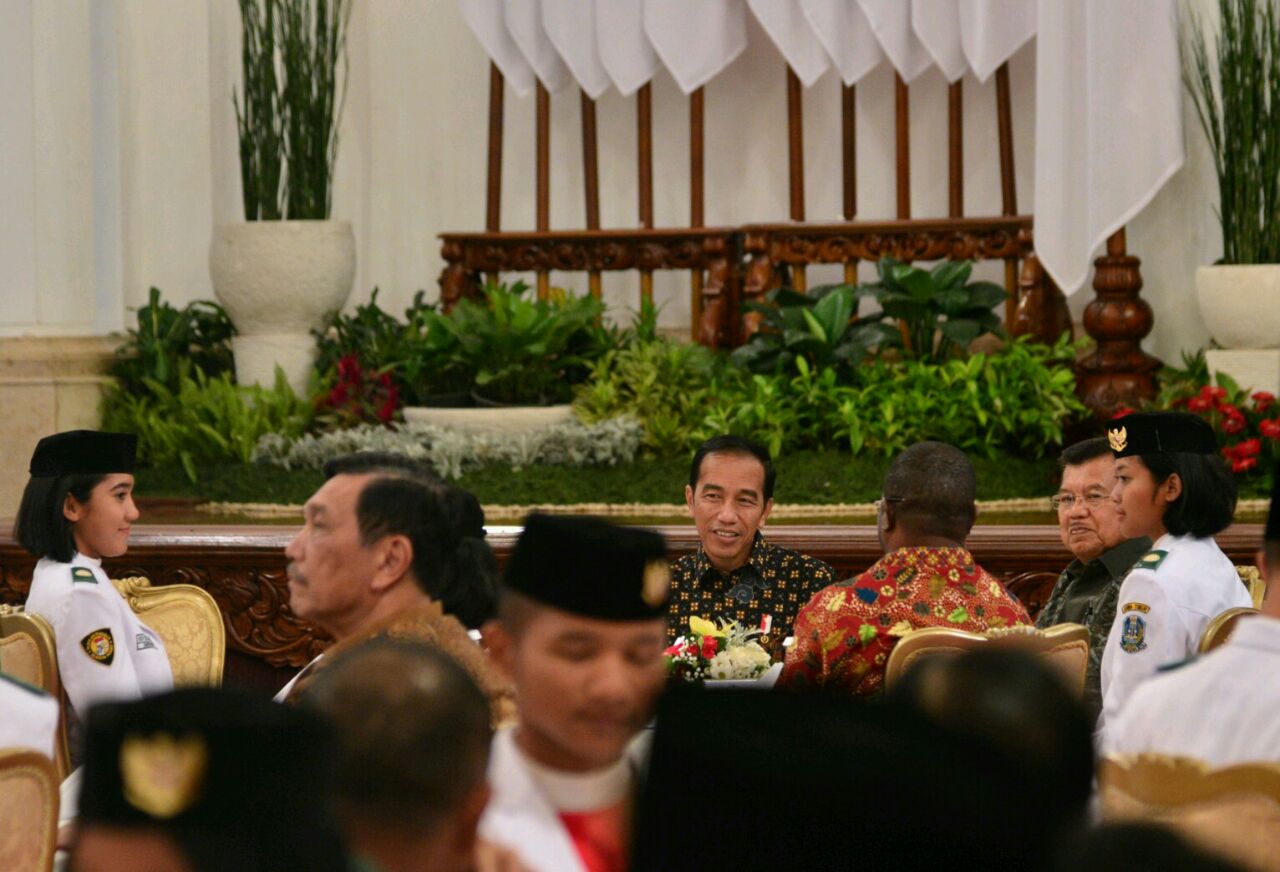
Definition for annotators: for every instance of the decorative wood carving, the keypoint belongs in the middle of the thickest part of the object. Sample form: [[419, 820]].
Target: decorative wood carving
[[716, 328], [758, 279], [1041, 311], [1118, 372], [958, 238]]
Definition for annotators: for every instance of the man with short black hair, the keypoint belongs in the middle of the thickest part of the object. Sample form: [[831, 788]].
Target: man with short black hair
[[378, 555], [1087, 590], [412, 746], [736, 574], [926, 579]]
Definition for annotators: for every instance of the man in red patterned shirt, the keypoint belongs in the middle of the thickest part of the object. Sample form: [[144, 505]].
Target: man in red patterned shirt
[[926, 579]]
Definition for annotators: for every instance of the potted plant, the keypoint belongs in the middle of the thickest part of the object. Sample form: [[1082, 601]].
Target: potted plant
[[286, 269], [524, 355], [1236, 91]]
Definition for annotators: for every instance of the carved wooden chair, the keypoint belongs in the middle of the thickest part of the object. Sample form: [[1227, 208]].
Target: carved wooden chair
[[29, 652], [1219, 629], [1064, 646], [28, 811], [1255, 583], [188, 622], [1234, 811]]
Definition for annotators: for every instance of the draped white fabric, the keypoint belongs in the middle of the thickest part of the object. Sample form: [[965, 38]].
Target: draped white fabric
[[1108, 123], [790, 31], [696, 40], [1108, 119], [630, 60]]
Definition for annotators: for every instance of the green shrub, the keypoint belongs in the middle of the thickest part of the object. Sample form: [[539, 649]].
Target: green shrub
[[206, 420], [198, 333]]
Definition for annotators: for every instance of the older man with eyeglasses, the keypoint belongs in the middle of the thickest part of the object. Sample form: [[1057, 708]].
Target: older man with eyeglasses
[[1086, 591]]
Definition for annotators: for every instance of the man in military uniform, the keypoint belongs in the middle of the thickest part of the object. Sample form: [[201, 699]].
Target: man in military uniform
[[581, 630], [736, 574], [1087, 589], [1222, 708]]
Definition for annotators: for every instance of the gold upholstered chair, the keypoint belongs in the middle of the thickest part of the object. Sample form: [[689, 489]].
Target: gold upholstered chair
[[1255, 583], [28, 811], [1233, 811], [1220, 628], [188, 622], [1064, 646], [29, 652]]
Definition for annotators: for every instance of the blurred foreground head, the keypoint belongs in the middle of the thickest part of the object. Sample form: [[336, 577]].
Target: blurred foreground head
[[203, 779], [413, 744]]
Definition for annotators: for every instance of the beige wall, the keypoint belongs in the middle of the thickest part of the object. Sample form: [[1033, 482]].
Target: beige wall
[[134, 158]]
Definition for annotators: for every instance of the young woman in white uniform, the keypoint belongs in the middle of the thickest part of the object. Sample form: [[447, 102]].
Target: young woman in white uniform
[[1174, 488], [77, 509]]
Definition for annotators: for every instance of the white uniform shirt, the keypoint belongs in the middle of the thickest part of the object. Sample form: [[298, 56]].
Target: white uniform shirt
[[28, 717], [1222, 709], [104, 651], [1165, 603], [523, 814]]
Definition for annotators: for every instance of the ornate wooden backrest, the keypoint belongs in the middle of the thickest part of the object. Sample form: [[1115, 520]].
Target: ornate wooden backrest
[[1221, 627], [1234, 811], [188, 621], [1256, 584], [29, 652], [1064, 646], [28, 811]]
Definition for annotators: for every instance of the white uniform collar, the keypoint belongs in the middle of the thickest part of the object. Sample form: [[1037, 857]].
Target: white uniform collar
[[84, 560], [1257, 631], [579, 791]]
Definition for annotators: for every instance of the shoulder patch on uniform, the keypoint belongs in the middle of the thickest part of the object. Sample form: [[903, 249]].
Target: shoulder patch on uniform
[[1151, 559], [81, 573], [1177, 664], [100, 646], [1133, 634], [1135, 607], [18, 682]]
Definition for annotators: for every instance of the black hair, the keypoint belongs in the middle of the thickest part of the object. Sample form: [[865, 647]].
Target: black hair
[[1208, 499], [379, 462], [445, 527], [1085, 451], [425, 751], [739, 446], [931, 487], [41, 527]]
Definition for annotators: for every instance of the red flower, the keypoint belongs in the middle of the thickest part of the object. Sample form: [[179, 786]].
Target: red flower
[[1233, 424], [1270, 428], [709, 646], [1249, 448], [1216, 393], [1228, 409], [673, 650], [1199, 404], [348, 368], [1262, 401], [1244, 464], [1122, 412]]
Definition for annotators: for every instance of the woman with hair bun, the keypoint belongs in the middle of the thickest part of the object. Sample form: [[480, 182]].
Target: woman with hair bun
[[1172, 487], [77, 509]]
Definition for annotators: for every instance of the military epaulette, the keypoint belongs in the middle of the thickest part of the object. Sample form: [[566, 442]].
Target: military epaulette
[[1178, 664], [18, 682], [1151, 559], [83, 574]]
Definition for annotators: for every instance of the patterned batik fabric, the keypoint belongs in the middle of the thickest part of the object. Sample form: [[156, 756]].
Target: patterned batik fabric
[[774, 581], [845, 633]]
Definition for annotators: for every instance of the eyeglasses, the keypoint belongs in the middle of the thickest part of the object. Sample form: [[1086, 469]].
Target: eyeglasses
[[1067, 502]]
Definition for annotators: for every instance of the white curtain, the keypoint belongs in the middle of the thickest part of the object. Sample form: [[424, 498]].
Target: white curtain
[[628, 57], [891, 22], [486, 20], [571, 28], [992, 30], [791, 32], [696, 41], [524, 22], [937, 25]]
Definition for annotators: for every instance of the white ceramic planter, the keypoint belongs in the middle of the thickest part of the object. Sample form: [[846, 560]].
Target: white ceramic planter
[[278, 281], [1241, 304], [497, 419]]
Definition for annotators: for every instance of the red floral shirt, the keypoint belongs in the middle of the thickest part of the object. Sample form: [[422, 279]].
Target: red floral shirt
[[844, 635]]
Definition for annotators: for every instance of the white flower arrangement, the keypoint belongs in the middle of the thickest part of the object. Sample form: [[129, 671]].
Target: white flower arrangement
[[724, 652]]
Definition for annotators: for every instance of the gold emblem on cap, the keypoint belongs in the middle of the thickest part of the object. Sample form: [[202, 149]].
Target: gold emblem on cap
[[657, 582], [162, 776], [1119, 439]]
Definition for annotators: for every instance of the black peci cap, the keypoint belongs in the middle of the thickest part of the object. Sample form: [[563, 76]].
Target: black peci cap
[[592, 568], [84, 452], [1161, 433]]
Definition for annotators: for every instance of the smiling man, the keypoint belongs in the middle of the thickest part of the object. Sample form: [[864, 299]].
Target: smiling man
[[735, 574], [1087, 589], [581, 631]]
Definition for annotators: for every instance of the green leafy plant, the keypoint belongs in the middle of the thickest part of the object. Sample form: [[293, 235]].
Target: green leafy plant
[[199, 334], [205, 420], [1236, 91], [816, 326], [526, 351], [291, 109]]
